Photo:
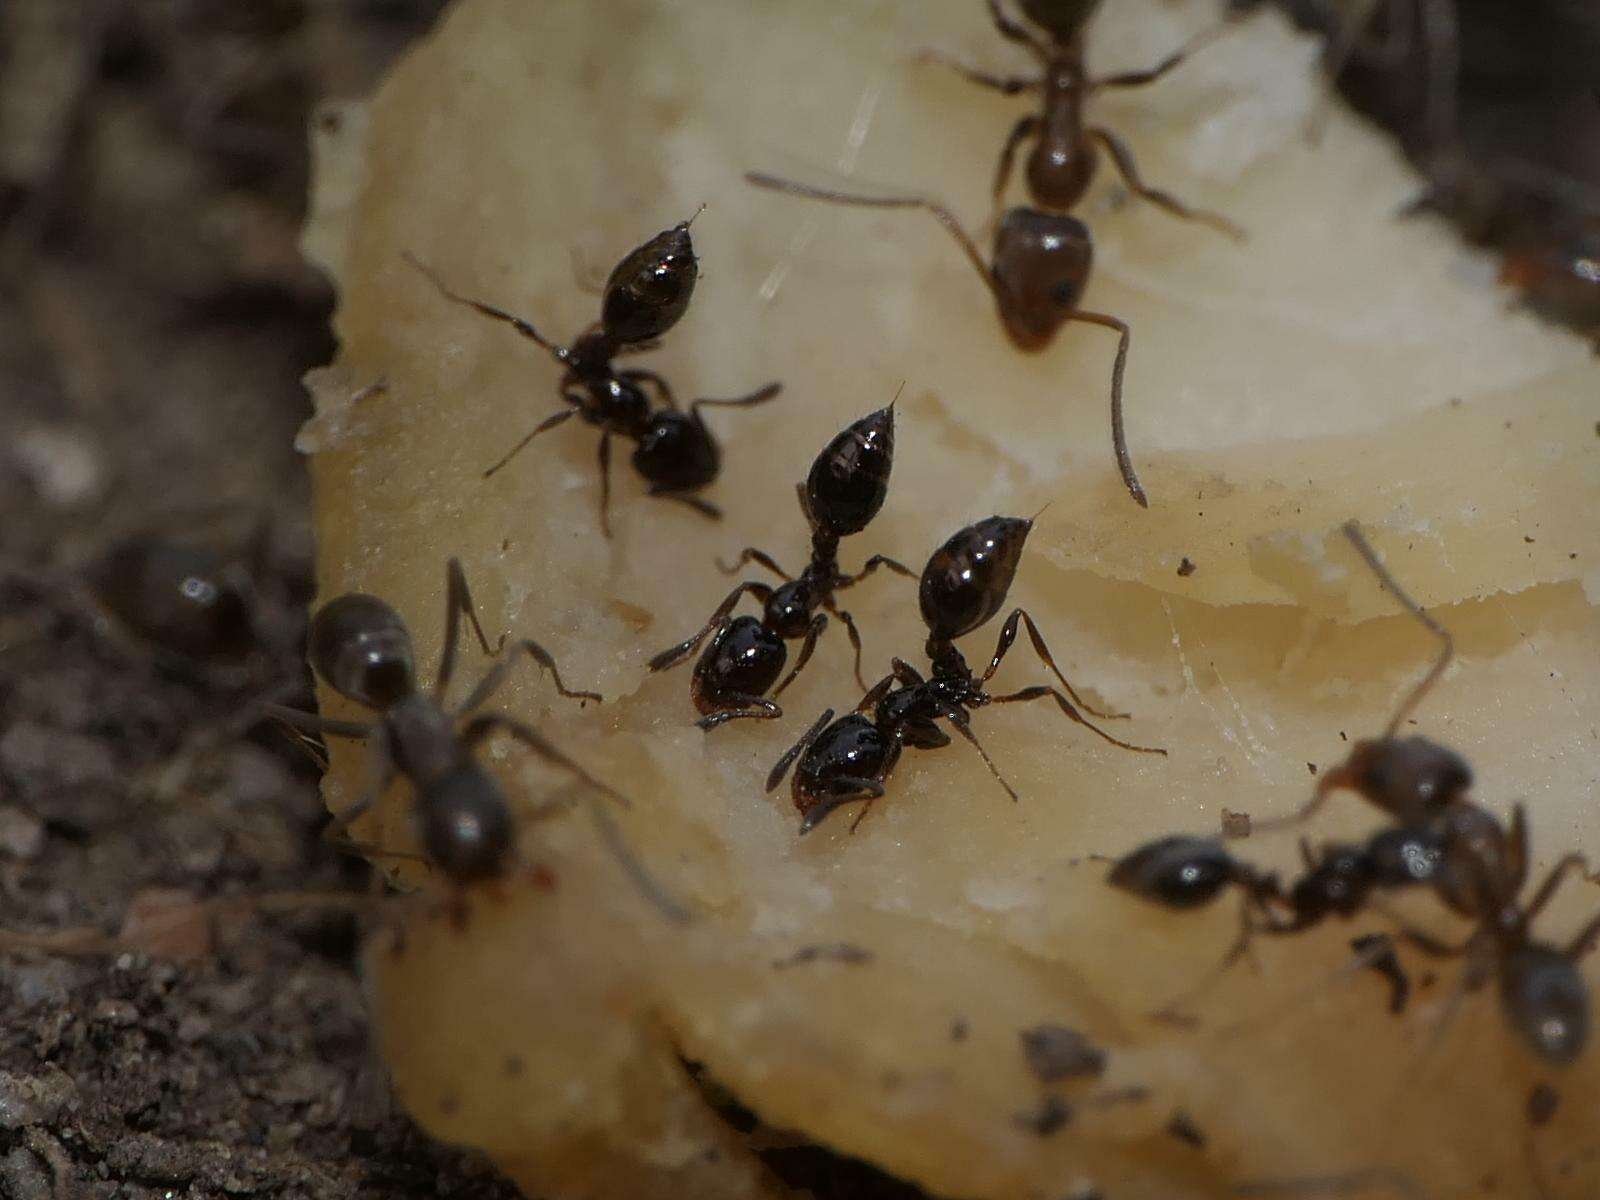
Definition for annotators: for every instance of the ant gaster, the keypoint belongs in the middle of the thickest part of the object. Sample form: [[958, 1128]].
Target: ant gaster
[[646, 295], [362, 649], [843, 492], [962, 587], [1062, 163], [1409, 778]]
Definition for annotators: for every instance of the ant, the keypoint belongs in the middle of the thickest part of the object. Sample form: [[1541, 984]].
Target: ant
[[1062, 163], [646, 294], [1409, 778], [361, 648], [843, 492], [962, 587]]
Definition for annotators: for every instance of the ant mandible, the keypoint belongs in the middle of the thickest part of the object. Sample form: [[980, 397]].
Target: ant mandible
[[842, 493], [646, 294], [1062, 163], [962, 587], [1409, 778], [361, 648]]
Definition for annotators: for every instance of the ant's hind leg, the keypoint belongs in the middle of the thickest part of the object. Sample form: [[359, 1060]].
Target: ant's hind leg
[[458, 601], [1129, 170], [1008, 635], [605, 484], [705, 508], [491, 683], [1025, 128], [650, 377], [751, 554], [550, 422], [1013, 32], [813, 632], [1039, 692], [1119, 437], [1009, 85]]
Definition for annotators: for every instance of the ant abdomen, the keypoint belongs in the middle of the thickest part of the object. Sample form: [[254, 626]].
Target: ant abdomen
[[175, 596], [649, 291], [1176, 872], [676, 452], [1543, 996], [849, 480], [1040, 267], [744, 659], [967, 579], [1062, 19], [466, 825], [1409, 777], [362, 649]]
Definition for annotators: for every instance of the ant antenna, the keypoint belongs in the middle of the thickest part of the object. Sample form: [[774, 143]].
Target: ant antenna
[[897, 392], [1447, 646], [525, 328], [696, 213], [940, 213]]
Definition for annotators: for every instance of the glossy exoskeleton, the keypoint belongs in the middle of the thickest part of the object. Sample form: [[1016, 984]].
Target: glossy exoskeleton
[[1062, 163], [963, 586], [361, 648], [646, 295], [842, 493]]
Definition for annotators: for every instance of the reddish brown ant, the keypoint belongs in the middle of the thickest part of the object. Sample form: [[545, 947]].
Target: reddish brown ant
[[646, 294], [1062, 163], [962, 587], [362, 649], [842, 493], [1408, 778]]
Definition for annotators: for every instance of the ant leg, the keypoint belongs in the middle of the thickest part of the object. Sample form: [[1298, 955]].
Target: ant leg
[[855, 638], [775, 776], [482, 727], [719, 616], [1010, 85], [316, 723], [1024, 129], [876, 692], [1123, 157], [1387, 964], [1008, 634], [1012, 31], [760, 396], [961, 722], [871, 565], [1552, 881], [549, 422], [751, 554], [525, 328], [818, 624], [1172, 1012], [1039, 692], [848, 789], [752, 707], [458, 600], [491, 683], [704, 507], [651, 377], [1129, 79], [605, 484], [1332, 781], [1119, 439]]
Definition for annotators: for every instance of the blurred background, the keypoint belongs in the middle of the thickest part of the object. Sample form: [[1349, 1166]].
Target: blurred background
[[155, 320]]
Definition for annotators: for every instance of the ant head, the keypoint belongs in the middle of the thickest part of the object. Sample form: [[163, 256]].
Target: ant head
[[744, 660], [966, 580], [1062, 19], [1401, 857], [1408, 777], [788, 609], [850, 478], [1176, 872], [676, 452], [362, 650], [467, 831], [649, 290], [1040, 267], [851, 748], [179, 597], [1543, 996], [1339, 883]]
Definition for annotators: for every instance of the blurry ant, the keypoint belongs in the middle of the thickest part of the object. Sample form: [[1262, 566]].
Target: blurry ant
[[1409, 778], [962, 587], [646, 294], [362, 649], [844, 490], [1062, 163], [1039, 270]]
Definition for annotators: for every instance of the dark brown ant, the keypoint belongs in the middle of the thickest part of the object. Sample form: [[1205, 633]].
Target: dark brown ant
[[1038, 273], [962, 587], [841, 495], [362, 649], [646, 295], [1409, 778], [1063, 160]]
